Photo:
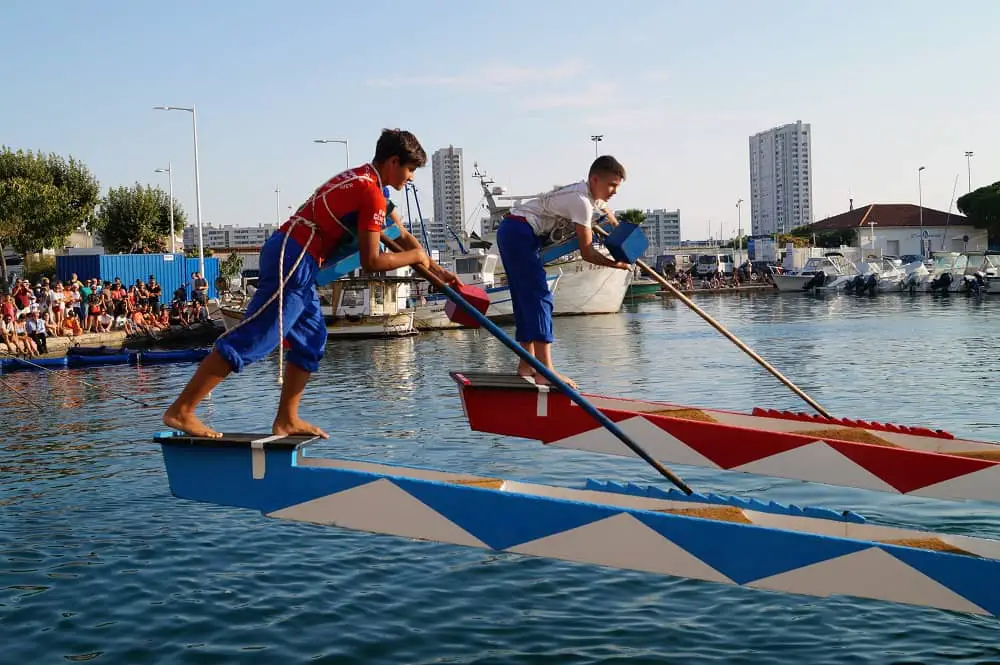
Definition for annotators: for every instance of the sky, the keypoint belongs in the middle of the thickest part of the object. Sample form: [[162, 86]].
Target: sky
[[676, 88]]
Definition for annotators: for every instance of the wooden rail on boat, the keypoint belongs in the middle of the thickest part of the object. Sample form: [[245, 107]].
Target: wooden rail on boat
[[728, 541], [852, 453]]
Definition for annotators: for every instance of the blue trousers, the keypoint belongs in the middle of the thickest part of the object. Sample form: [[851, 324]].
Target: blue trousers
[[520, 251], [304, 328]]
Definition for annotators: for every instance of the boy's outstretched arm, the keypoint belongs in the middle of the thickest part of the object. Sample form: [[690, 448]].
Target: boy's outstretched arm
[[585, 238], [374, 260], [407, 241]]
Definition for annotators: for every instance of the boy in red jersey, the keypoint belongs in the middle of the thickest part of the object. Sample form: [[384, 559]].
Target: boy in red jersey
[[347, 213]]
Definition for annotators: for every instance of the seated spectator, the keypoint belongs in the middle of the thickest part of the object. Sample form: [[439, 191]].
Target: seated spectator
[[178, 316], [37, 331], [136, 324], [71, 326], [104, 320], [164, 318], [7, 335], [21, 333]]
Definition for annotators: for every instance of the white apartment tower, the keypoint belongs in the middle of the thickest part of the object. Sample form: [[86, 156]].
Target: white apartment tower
[[781, 179], [449, 191]]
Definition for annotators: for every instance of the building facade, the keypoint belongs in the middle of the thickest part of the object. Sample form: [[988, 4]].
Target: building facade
[[781, 179], [228, 235], [662, 228], [449, 194], [903, 229]]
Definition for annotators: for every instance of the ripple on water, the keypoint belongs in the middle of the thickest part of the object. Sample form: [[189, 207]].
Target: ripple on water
[[99, 563]]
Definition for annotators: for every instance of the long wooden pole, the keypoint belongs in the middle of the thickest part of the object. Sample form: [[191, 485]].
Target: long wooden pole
[[718, 326], [553, 378]]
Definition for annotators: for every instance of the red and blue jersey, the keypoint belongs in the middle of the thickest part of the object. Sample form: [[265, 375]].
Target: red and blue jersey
[[347, 204]]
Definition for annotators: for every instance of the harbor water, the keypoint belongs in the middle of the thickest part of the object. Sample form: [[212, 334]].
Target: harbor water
[[99, 563]]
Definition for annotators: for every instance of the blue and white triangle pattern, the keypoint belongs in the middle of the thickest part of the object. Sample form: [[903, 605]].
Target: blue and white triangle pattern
[[668, 544]]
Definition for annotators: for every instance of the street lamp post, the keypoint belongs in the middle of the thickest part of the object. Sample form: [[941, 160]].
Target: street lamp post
[[197, 181], [739, 222], [968, 163], [920, 199], [170, 179], [277, 205], [596, 138], [347, 147]]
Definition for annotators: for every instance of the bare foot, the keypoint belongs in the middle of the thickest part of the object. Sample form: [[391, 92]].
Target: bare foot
[[296, 427], [188, 423], [540, 379], [525, 370]]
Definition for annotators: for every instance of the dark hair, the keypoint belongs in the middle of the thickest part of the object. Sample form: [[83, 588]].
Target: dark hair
[[399, 143], [607, 165]]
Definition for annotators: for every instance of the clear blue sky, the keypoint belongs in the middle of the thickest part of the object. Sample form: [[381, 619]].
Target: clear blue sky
[[675, 87]]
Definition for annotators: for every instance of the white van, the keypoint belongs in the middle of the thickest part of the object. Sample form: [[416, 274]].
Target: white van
[[709, 264]]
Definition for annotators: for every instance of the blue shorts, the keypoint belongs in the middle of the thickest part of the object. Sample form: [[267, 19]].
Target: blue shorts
[[257, 334], [520, 251]]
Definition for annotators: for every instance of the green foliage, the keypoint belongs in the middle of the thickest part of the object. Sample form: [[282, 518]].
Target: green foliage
[[982, 207], [802, 236], [232, 266], [136, 220], [192, 252], [43, 199], [36, 267], [632, 216]]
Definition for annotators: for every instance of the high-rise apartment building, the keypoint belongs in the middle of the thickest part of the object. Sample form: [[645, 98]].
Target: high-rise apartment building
[[781, 179], [449, 191]]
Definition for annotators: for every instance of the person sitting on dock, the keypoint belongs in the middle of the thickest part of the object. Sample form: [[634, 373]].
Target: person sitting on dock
[[345, 213], [520, 239]]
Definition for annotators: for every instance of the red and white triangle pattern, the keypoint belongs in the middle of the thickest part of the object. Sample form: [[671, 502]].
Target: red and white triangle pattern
[[915, 464]]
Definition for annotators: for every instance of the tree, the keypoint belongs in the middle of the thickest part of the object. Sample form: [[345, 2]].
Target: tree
[[632, 216], [833, 238], [43, 199], [136, 220], [231, 267], [982, 207]]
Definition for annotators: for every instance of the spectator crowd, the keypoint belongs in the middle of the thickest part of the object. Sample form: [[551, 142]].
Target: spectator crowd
[[29, 316]]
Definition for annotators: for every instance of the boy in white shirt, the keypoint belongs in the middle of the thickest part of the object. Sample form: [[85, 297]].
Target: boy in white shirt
[[521, 236]]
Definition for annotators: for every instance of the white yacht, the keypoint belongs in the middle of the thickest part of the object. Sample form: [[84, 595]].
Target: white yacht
[[817, 272]]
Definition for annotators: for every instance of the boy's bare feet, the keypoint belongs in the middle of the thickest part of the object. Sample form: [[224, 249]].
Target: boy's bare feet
[[187, 422], [541, 380], [296, 427], [525, 370]]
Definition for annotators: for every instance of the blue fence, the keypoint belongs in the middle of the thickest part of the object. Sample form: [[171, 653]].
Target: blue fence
[[170, 270]]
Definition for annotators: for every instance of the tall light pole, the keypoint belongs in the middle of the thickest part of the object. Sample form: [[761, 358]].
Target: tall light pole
[[596, 138], [277, 205], [346, 147], [739, 222], [920, 199], [968, 163], [197, 181], [170, 179]]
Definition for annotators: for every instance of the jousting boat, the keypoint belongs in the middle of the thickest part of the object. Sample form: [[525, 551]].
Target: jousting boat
[[808, 551], [851, 453]]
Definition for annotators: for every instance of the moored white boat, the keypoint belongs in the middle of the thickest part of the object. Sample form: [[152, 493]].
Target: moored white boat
[[361, 307], [817, 272]]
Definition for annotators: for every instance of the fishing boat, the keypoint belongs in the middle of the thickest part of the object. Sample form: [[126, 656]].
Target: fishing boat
[[852, 453], [354, 307], [723, 540]]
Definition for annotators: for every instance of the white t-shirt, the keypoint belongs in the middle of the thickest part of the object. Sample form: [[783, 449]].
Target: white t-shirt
[[559, 209]]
